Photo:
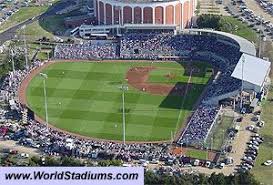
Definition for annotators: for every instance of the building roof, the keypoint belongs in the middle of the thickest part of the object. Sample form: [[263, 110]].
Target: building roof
[[254, 71], [245, 45]]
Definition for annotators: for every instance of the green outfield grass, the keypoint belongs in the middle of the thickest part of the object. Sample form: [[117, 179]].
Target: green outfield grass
[[85, 98]]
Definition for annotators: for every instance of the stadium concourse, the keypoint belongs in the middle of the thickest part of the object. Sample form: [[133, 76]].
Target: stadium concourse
[[222, 50]]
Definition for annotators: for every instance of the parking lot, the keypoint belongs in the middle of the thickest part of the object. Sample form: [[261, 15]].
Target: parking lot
[[260, 21], [8, 8], [12, 145]]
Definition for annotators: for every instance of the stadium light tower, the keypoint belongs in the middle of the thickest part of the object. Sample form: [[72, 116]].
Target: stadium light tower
[[25, 45], [12, 59], [242, 85], [44, 76], [124, 88], [260, 37]]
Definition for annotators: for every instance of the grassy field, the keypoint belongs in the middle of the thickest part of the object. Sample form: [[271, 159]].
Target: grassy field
[[53, 24], [198, 154], [35, 31], [85, 98], [218, 135], [46, 27], [22, 15], [236, 27]]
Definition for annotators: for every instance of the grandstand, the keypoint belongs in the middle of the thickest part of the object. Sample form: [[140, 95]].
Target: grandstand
[[222, 50]]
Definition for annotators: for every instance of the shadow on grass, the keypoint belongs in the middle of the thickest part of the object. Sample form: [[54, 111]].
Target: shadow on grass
[[187, 101], [53, 23]]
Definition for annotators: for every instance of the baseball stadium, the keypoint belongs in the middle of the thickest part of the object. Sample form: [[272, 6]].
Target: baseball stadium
[[168, 86], [145, 88]]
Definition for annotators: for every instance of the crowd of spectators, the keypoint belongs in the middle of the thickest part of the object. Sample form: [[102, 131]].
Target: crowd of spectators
[[9, 85], [86, 51], [200, 124], [222, 54]]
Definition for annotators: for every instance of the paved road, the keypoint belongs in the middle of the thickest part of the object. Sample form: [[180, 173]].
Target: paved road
[[11, 32], [211, 7], [254, 5], [235, 10], [21, 149]]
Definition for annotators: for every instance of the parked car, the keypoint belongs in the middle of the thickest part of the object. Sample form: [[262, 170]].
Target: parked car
[[260, 123], [268, 163]]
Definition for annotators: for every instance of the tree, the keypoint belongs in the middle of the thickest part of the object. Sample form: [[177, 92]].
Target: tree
[[217, 179], [4, 68], [51, 161], [202, 179], [168, 179], [104, 163], [69, 161], [245, 178], [209, 21], [19, 61], [151, 178], [34, 161], [115, 162], [6, 65]]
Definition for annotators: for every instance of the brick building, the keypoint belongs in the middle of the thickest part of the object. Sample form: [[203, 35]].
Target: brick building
[[152, 12]]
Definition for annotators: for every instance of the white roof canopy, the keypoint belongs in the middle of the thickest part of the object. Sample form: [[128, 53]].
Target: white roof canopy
[[245, 45], [254, 70]]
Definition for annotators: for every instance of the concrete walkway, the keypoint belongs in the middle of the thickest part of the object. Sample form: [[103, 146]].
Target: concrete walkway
[[9, 144]]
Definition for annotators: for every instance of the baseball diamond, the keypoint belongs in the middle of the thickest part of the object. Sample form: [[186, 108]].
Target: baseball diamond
[[84, 98]]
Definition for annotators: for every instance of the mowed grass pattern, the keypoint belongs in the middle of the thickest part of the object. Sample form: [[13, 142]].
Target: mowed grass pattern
[[85, 98]]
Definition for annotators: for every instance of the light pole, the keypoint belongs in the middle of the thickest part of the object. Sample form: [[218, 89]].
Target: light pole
[[12, 60], [260, 37], [123, 88], [242, 85], [25, 45], [44, 76]]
